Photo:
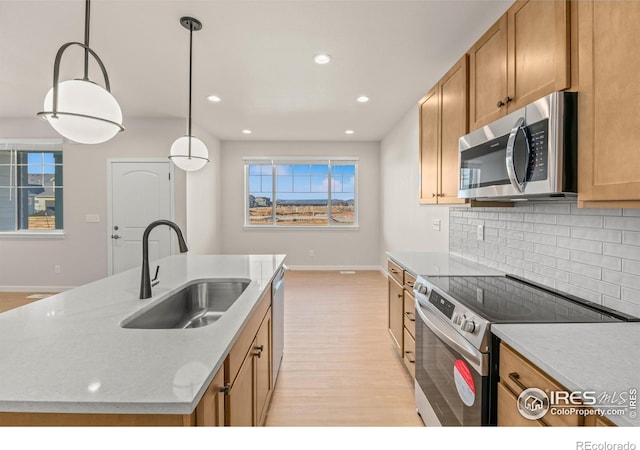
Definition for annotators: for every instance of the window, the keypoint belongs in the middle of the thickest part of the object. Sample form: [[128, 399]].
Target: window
[[304, 192], [30, 185]]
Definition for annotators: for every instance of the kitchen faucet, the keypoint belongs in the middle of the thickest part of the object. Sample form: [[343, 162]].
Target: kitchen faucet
[[145, 284]]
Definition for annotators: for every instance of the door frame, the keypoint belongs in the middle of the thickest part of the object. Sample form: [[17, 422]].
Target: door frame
[[172, 209]]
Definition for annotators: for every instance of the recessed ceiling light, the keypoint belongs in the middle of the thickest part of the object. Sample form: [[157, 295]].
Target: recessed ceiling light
[[363, 99], [247, 131], [214, 98], [349, 132], [322, 58]]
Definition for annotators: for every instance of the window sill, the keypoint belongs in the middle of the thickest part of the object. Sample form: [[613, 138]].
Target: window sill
[[302, 227], [53, 234]]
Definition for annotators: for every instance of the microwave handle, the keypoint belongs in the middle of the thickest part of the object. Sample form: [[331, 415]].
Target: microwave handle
[[509, 160]]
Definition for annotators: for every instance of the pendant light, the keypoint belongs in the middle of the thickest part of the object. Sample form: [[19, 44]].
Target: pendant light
[[188, 152], [79, 109]]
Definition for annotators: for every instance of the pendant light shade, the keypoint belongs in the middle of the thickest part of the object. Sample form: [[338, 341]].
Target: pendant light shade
[[188, 152], [81, 110]]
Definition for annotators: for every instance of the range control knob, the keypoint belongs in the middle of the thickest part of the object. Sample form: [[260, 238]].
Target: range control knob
[[457, 319], [468, 325]]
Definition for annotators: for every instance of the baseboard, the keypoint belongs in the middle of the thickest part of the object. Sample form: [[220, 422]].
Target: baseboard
[[55, 289], [336, 268]]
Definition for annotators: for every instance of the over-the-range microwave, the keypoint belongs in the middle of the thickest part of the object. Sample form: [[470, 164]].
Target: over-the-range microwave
[[528, 154]]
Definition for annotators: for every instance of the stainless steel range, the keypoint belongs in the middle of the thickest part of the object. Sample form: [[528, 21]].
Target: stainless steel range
[[456, 355]]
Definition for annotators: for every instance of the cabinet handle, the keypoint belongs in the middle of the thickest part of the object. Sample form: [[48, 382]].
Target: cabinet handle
[[434, 195], [392, 270], [500, 104], [507, 99], [515, 377], [407, 353], [410, 284], [410, 316], [226, 388], [257, 351], [400, 295]]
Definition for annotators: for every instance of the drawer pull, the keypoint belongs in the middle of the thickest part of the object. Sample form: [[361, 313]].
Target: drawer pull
[[515, 377], [257, 351], [392, 270], [411, 359], [410, 316], [226, 388], [410, 284]]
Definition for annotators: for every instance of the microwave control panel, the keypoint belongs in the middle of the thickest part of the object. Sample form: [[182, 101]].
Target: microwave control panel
[[538, 134]]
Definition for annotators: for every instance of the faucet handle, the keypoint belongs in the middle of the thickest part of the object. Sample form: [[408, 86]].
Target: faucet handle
[[155, 277]]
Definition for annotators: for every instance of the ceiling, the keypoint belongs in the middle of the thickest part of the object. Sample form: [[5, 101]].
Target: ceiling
[[256, 55]]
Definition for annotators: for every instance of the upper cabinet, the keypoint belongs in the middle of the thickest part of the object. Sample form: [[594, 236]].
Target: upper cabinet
[[524, 56], [443, 119], [609, 95]]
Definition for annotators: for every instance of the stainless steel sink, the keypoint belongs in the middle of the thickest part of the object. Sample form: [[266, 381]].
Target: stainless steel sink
[[195, 305]]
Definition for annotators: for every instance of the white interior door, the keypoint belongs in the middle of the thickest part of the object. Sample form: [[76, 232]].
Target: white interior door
[[141, 192]]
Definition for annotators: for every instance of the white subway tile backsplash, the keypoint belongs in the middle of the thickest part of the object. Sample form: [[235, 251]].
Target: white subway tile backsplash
[[581, 221], [623, 251], [590, 253], [580, 244], [622, 223], [621, 278], [607, 262], [596, 234], [556, 230], [631, 237]]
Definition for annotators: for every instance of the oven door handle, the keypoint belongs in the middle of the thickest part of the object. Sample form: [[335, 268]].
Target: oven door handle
[[445, 333]]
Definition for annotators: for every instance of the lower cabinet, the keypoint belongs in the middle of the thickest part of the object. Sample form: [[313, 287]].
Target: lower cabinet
[[210, 410], [250, 392], [396, 311], [518, 374]]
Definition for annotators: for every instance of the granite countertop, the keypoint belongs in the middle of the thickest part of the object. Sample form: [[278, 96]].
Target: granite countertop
[[599, 357], [440, 264], [68, 353]]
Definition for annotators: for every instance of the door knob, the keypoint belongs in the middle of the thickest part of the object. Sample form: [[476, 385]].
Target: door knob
[[115, 236]]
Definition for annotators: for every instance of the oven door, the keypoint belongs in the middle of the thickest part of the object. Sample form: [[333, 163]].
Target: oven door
[[450, 372]]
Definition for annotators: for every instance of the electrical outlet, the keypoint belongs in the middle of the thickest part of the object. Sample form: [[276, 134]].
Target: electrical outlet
[[57, 268], [481, 232], [435, 224], [311, 253]]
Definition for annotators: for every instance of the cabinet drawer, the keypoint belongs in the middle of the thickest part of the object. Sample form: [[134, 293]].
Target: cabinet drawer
[[514, 367], [410, 313], [396, 272], [409, 354], [508, 414], [409, 281]]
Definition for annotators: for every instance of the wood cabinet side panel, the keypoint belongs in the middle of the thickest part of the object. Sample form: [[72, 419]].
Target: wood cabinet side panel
[[429, 145], [210, 409], [396, 308], [454, 123]]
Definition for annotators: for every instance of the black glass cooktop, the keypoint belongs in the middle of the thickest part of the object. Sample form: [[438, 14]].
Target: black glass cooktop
[[507, 300]]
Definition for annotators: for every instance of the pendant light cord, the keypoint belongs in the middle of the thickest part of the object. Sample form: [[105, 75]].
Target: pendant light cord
[[190, 76], [87, 13]]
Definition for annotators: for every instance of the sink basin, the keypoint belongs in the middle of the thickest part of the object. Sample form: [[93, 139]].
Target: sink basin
[[195, 305]]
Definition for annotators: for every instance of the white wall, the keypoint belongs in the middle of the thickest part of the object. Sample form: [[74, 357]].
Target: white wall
[[405, 224], [82, 254], [332, 248], [204, 201]]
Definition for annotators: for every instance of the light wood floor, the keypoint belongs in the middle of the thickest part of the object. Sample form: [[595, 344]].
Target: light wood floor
[[339, 366], [11, 300]]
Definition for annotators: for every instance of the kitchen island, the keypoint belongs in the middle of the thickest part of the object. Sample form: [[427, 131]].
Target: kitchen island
[[69, 354], [599, 357]]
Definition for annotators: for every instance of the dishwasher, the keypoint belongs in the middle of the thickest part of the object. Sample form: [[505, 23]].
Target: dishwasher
[[277, 323]]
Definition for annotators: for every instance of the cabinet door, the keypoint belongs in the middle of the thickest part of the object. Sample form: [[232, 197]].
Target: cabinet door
[[240, 401], [488, 75], [210, 410], [608, 119], [454, 115], [538, 60], [262, 362], [508, 414], [396, 311], [429, 146]]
